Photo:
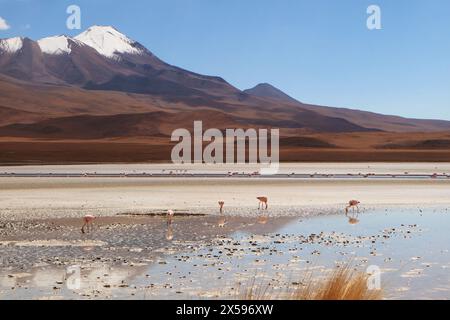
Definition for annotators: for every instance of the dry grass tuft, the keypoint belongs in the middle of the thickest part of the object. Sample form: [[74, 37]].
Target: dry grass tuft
[[343, 284]]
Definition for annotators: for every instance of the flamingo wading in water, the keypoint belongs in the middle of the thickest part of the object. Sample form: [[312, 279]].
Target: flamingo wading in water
[[262, 202], [88, 222], [170, 215], [221, 204], [352, 204]]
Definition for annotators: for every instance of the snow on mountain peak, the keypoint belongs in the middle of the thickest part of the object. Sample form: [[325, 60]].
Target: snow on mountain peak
[[11, 45], [56, 45], [108, 41]]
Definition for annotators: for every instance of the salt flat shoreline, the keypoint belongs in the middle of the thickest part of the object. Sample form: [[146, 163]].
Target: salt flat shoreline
[[299, 189], [243, 175], [36, 198], [338, 168]]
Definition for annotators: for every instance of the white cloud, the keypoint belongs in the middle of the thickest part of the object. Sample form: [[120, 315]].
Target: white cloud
[[3, 24]]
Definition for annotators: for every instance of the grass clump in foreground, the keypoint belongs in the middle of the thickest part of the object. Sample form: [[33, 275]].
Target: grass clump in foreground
[[344, 283]]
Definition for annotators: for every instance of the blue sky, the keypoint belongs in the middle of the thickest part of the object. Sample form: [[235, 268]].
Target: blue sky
[[318, 51]]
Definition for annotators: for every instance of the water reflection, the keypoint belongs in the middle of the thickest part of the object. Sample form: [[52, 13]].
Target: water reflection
[[352, 217], [221, 222], [169, 233], [88, 278], [263, 219], [263, 215]]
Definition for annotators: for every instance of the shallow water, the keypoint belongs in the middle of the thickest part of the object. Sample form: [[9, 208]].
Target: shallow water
[[139, 258]]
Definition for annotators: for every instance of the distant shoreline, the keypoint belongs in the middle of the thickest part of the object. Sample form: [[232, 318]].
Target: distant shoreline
[[59, 196], [235, 176]]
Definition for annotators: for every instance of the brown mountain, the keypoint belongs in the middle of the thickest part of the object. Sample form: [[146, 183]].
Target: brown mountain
[[361, 118], [102, 84], [266, 90], [69, 102], [150, 124]]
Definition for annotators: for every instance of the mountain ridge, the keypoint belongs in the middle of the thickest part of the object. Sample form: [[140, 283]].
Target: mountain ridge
[[72, 73]]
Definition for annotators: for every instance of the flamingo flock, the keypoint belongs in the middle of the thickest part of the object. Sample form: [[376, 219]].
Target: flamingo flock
[[88, 220]]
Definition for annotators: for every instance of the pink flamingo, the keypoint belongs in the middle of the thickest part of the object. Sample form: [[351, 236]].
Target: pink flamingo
[[170, 215], [352, 204], [262, 202], [88, 221], [221, 204]]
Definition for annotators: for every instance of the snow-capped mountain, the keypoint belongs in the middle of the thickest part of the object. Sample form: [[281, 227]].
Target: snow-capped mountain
[[109, 42], [57, 45], [101, 58], [106, 40], [11, 45]]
